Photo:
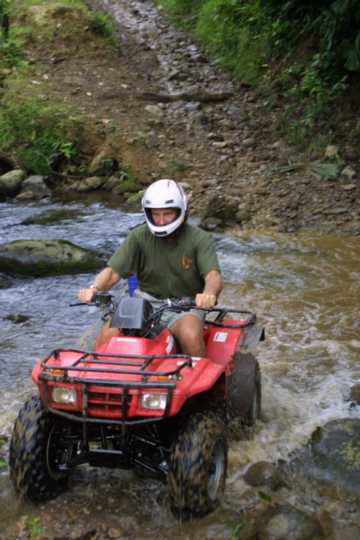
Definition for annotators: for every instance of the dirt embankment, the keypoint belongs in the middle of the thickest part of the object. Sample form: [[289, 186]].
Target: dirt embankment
[[160, 108]]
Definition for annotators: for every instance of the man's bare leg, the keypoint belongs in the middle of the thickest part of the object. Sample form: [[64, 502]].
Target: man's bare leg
[[189, 332], [106, 333]]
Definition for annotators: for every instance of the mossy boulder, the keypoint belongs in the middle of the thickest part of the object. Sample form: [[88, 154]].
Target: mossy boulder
[[10, 183], [39, 258], [332, 457]]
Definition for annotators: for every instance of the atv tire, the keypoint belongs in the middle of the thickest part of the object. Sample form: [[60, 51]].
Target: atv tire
[[33, 447], [244, 389], [197, 467]]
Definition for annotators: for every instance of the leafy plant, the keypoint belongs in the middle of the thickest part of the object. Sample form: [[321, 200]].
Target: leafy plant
[[33, 525]]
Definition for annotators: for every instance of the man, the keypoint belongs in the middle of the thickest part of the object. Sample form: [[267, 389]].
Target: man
[[171, 259]]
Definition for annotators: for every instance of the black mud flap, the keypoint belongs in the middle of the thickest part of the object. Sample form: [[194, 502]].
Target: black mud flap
[[253, 335]]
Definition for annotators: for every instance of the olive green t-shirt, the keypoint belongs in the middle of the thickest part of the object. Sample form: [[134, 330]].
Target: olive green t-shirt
[[171, 267]]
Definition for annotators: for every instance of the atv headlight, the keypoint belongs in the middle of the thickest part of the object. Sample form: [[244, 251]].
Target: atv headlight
[[154, 401], [64, 395]]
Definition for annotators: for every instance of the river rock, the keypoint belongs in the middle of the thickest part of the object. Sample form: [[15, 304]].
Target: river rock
[[355, 394], [286, 522], [89, 184], [332, 457], [52, 217], [264, 473], [17, 318], [10, 183], [5, 282], [47, 257], [34, 188]]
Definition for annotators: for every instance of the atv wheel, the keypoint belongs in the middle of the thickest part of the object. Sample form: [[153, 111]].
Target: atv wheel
[[36, 454], [197, 468], [244, 389]]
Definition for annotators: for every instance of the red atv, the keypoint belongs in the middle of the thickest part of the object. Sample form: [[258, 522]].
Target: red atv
[[138, 402]]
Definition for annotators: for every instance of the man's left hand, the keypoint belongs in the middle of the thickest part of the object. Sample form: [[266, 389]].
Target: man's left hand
[[205, 300]]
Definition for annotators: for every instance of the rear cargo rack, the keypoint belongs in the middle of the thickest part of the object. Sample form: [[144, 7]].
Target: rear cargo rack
[[248, 320], [121, 361]]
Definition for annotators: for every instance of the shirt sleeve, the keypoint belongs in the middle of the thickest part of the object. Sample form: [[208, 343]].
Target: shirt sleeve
[[206, 256], [125, 259]]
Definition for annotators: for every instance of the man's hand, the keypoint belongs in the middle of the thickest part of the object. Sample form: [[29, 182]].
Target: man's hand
[[213, 286], [86, 295], [102, 282], [205, 300]]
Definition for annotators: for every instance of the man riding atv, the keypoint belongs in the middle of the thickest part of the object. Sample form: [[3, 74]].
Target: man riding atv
[[135, 400], [171, 259]]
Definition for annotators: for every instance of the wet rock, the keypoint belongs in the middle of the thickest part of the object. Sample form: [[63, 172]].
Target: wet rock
[[5, 282], [47, 257], [332, 458], [286, 523], [111, 183], [52, 217], [17, 318], [89, 184], [10, 183], [34, 188], [355, 394], [264, 473]]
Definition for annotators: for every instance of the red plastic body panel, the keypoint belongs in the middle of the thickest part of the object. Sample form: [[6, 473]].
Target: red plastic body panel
[[105, 389]]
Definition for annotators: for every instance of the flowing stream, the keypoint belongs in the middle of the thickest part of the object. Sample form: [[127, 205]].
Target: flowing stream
[[304, 288]]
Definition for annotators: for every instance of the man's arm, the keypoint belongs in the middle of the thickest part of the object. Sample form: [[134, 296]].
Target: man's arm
[[213, 287], [106, 279]]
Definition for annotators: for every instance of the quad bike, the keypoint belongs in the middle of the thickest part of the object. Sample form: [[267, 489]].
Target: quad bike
[[137, 402]]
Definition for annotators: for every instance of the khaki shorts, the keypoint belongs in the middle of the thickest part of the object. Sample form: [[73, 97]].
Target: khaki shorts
[[169, 317]]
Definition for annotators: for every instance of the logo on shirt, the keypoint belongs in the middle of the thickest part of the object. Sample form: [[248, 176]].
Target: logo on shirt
[[186, 262]]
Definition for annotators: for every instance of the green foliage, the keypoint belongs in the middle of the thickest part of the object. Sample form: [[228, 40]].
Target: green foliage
[[103, 24], [33, 525], [39, 134]]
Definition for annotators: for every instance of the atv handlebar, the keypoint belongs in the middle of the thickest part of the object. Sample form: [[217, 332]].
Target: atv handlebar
[[174, 304]]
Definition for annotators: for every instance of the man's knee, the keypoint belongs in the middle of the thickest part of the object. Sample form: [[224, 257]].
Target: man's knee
[[189, 331]]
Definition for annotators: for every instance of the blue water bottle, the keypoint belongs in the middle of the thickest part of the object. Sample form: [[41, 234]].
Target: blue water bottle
[[132, 284]]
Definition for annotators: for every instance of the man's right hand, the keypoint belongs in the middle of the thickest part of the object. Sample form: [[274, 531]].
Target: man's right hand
[[86, 295]]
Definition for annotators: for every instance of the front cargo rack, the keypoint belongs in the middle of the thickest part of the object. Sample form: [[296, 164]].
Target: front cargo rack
[[121, 361], [119, 365]]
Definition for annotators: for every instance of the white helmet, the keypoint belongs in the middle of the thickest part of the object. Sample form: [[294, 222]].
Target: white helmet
[[164, 194]]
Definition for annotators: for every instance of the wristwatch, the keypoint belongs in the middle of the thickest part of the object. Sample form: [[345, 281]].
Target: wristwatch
[[94, 287]]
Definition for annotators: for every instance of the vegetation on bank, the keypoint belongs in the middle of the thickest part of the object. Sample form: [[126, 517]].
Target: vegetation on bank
[[303, 56], [37, 129]]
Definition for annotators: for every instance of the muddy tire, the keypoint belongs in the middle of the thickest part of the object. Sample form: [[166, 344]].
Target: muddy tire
[[244, 390], [198, 464], [33, 454]]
